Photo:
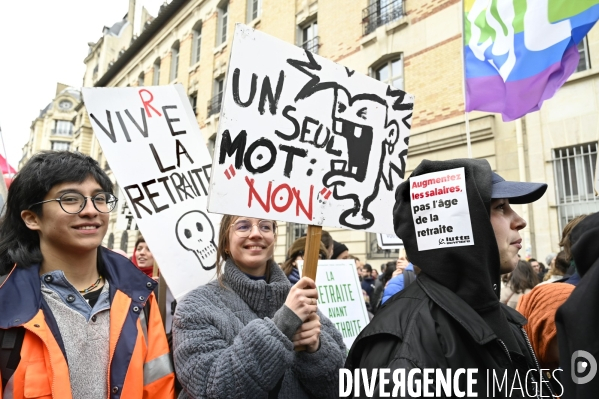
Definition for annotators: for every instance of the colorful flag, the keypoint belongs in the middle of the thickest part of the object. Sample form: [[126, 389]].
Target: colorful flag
[[517, 53]]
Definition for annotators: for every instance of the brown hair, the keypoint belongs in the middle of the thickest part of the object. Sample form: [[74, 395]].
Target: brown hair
[[140, 239], [565, 241], [222, 251], [523, 277], [297, 249]]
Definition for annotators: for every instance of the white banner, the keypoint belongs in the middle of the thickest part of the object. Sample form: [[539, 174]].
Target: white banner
[[302, 139], [340, 296], [152, 141], [440, 210], [389, 241]]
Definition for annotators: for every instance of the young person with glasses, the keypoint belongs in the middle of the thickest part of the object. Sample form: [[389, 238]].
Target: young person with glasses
[[235, 337], [75, 319]]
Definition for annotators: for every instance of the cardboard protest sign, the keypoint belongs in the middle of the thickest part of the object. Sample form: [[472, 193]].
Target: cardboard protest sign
[[389, 241], [302, 139], [440, 210], [340, 297], [152, 141]]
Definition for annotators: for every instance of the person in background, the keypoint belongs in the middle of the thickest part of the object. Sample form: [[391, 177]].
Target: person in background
[[523, 280], [340, 251], [559, 267], [377, 295], [328, 242], [375, 275], [577, 320], [295, 253], [76, 319], [367, 281], [236, 336], [566, 243], [142, 257], [539, 307], [403, 276]]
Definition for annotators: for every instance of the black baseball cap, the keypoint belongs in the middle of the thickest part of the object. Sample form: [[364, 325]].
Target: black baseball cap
[[517, 192]]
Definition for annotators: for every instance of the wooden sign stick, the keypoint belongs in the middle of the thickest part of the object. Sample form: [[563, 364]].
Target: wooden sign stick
[[311, 258]]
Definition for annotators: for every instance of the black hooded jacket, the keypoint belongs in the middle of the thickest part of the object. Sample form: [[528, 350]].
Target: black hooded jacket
[[577, 320], [451, 317]]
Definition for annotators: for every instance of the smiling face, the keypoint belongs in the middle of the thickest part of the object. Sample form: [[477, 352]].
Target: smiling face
[[506, 225], [60, 231], [251, 253], [143, 255]]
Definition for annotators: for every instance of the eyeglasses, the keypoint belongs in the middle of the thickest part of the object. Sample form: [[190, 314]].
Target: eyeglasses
[[73, 203], [244, 227]]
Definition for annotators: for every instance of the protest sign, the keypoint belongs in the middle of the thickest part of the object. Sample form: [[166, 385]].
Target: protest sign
[[152, 141], [440, 210], [124, 217], [340, 297], [389, 241], [302, 139]]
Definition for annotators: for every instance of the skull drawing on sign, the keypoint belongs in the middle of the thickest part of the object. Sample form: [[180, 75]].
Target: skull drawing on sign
[[196, 233]]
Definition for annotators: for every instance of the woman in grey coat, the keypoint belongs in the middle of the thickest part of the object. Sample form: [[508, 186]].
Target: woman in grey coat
[[236, 337]]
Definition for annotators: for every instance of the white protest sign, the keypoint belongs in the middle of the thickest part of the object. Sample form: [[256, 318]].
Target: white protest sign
[[152, 141], [302, 139], [340, 297], [389, 241], [440, 210]]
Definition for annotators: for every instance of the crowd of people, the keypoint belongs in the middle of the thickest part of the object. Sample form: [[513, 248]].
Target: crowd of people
[[80, 321]]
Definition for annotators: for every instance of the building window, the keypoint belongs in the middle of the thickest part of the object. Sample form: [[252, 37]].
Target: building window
[[63, 128], [60, 146], [174, 61], [381, 12], [95, 73], [125, 241], [196, 43], [375, 252], [254, 9], [215, 102], [193, 100], [140, 79], [584, 62], [574, 169], [391, 73], [156, 73], [110, 243], [223, 19], [309, 37], [295, 231], [211, 144]]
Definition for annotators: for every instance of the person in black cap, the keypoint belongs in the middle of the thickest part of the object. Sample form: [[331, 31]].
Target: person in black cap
[[451, 318], [340, 251]]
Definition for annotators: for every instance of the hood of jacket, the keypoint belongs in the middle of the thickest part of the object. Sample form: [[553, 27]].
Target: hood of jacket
[[471, 271], [584, 243]]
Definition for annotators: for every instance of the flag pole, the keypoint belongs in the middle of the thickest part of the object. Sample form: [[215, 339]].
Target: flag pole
[[466, 116]]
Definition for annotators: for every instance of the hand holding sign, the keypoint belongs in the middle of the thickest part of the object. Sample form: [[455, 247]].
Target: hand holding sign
[[303, 298], [308, 335]]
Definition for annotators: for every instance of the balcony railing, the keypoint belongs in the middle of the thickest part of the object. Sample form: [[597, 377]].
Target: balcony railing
[[381, 13], [311, 45], [214, 104], [62, 132]]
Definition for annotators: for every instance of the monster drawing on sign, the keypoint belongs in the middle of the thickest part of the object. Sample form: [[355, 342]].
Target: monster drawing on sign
[[196, 234], [364, 161]]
